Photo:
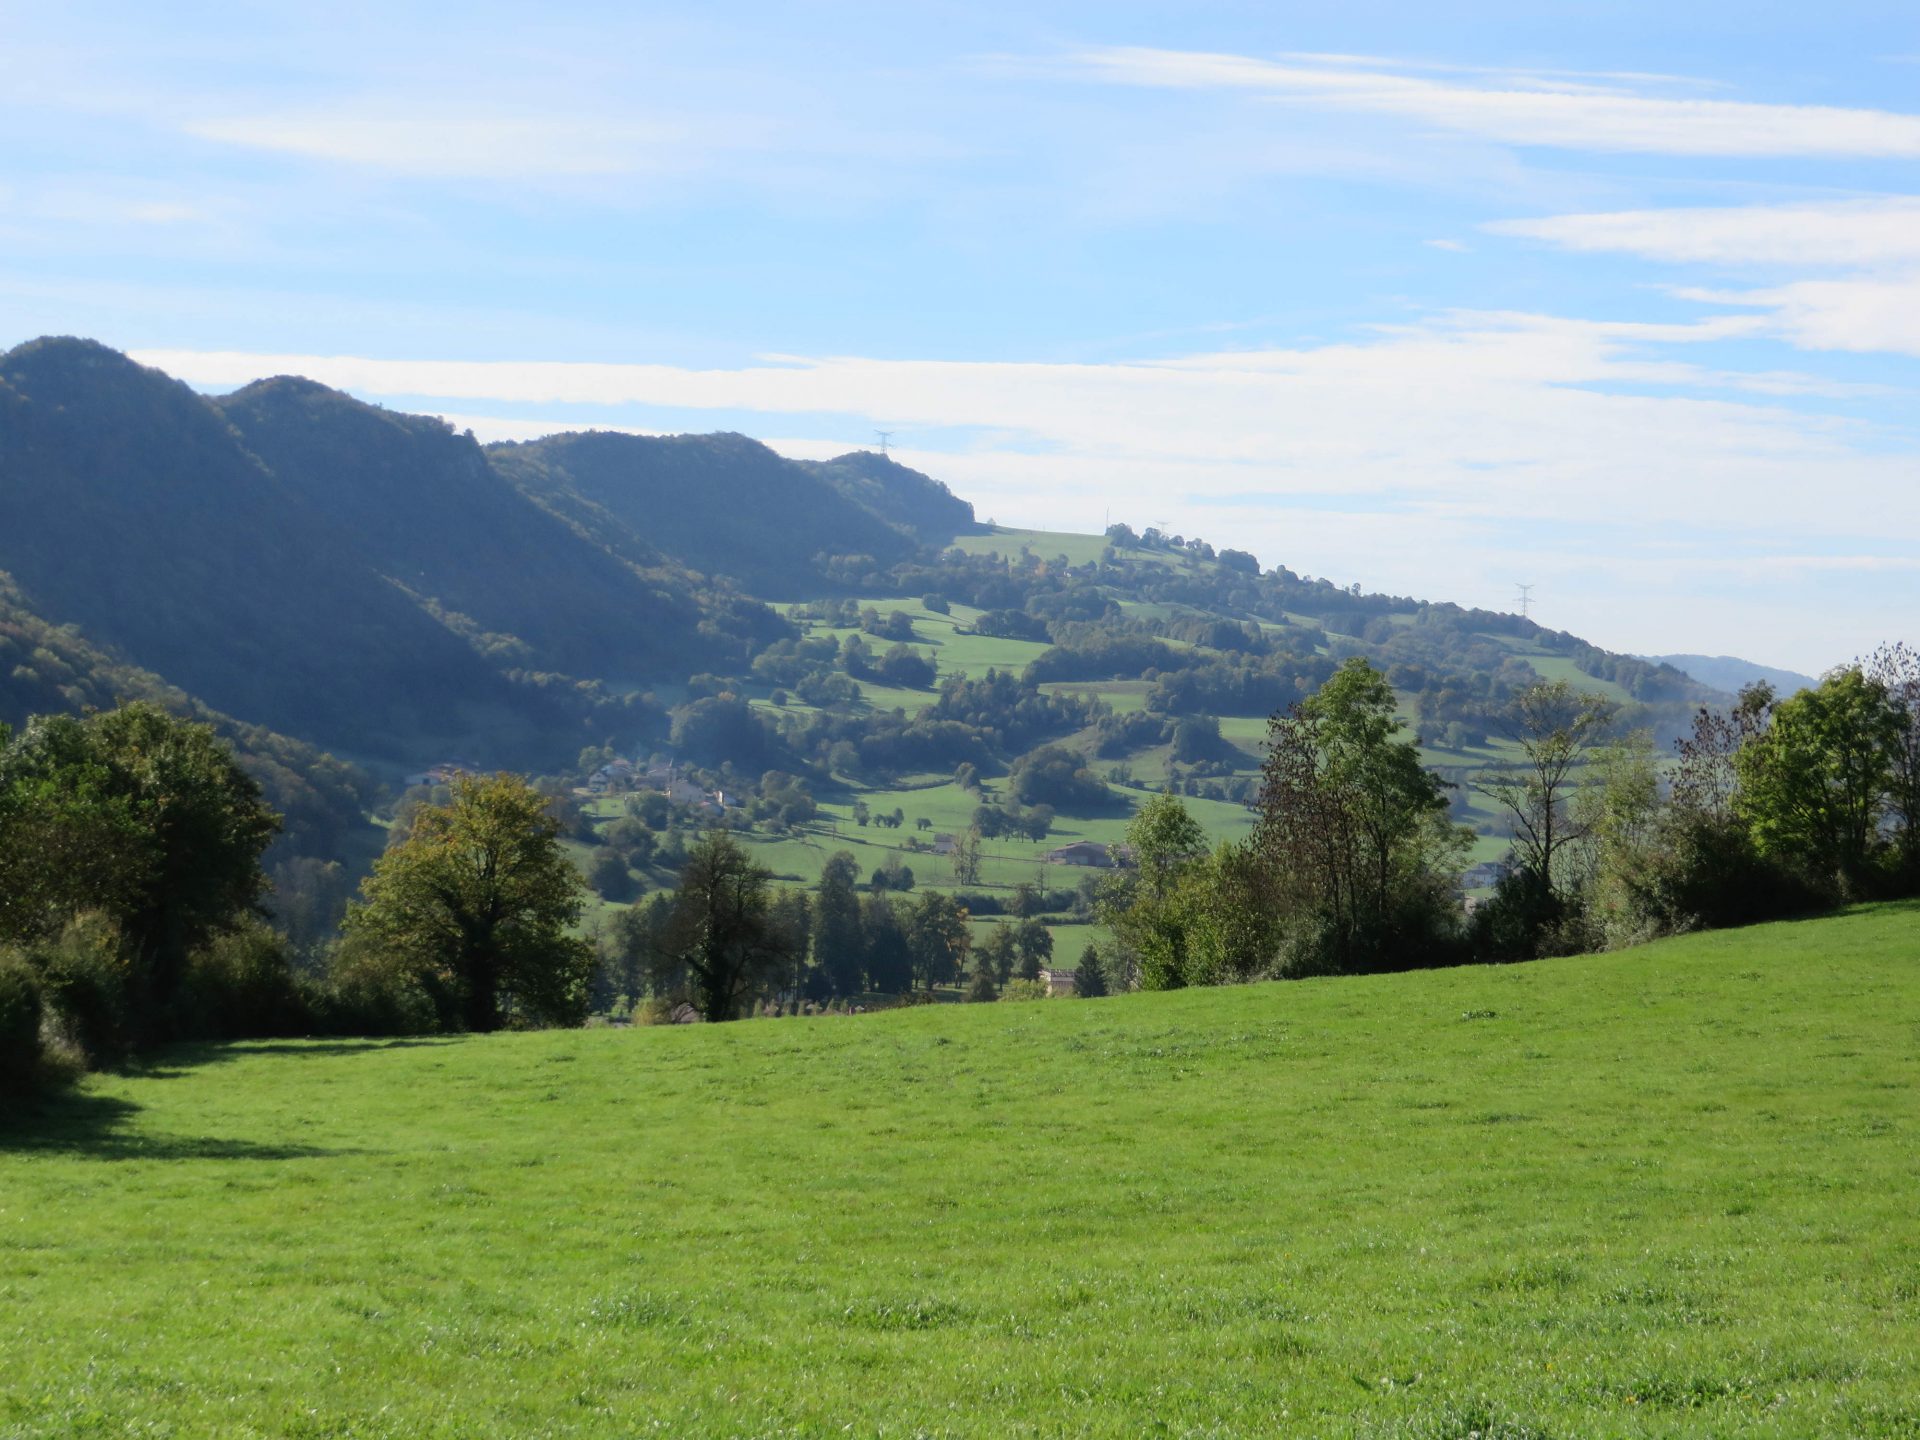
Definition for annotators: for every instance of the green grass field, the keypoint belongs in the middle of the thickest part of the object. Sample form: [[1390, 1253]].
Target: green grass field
[[1667, 1192]]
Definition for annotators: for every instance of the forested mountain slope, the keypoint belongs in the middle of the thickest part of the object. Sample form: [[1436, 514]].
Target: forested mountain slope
[[293, 558], [355, 577], [48, 669], [722, 504], [421, 504], [130, 507], [918, 503]]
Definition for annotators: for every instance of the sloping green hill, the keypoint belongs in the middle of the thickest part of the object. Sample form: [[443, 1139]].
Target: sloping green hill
[[1661, 1192]]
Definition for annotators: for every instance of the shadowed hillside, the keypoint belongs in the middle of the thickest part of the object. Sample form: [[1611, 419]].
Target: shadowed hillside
[[917, 503], [422, 505], [723, 504], [129, 506]]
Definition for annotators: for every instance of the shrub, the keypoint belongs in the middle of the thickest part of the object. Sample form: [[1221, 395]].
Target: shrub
[[86, 983], [369, 993], [1708, 873], [654, 1010], [610, 876], [20, 1013], [1024, 990], [239, 985]]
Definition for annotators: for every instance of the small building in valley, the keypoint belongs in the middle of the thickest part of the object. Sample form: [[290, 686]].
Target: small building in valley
[[1058, 982]]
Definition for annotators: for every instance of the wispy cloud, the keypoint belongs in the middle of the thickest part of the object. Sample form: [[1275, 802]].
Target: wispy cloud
[[1526, 108], [1851, 233], [1872, 305]]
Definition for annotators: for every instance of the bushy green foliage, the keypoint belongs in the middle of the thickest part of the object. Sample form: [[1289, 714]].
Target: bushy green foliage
[[473, 909], [1057, 776], [1816, 782], [143, 817], [20, 1013], [610, 878], [721, 933], [1152, 910], [240, 985], [1355, 835], [86, 976]]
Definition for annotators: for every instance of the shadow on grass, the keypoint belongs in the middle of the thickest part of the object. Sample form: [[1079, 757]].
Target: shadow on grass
[[183, 1059], [96, 1127]]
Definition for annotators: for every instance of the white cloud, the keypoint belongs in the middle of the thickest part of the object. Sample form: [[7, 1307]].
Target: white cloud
[[1863, 314], [1868, 232], [1517, 108], [1872, 305]]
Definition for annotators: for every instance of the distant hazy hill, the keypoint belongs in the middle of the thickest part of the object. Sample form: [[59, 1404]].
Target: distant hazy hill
[[918, 503], [723, 504], [1729, 673]]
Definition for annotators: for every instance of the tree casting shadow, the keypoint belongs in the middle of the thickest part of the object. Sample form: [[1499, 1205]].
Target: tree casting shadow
[[182, 1059], [95, 1126]]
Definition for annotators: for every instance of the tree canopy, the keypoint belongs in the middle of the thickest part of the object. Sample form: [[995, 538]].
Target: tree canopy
[[475, 906]]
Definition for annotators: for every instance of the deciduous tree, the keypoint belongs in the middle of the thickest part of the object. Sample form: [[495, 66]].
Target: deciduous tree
[[476, 905], [722, 933]]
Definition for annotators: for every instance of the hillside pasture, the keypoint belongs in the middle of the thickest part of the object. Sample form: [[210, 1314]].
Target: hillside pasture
[[1661, 1193]]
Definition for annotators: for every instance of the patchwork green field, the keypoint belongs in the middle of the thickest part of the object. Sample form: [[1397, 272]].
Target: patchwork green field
[[1657, 1193]]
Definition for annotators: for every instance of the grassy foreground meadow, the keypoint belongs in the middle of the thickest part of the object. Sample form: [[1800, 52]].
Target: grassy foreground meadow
[[1669, 1191]]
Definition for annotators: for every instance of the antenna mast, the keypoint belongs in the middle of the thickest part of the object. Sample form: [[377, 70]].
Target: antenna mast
[[1526, 598]]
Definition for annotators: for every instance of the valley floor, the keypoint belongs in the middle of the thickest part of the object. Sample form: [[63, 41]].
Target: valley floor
[[1663, 1192]]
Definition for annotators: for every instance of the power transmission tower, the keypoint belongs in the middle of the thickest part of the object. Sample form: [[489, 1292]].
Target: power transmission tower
[[1526, 599], [885, 436]]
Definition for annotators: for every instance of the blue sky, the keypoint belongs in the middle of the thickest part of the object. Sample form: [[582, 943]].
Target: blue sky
[[1620, 299]]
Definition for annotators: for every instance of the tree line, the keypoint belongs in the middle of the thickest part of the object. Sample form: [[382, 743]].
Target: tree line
[[132, 890], [1774, 808]]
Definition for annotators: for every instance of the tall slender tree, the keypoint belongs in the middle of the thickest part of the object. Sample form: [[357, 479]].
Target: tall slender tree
[[1555, 727], [839, 936]]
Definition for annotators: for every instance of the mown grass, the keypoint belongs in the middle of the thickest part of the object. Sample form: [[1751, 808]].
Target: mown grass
[[1659, 1193]]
